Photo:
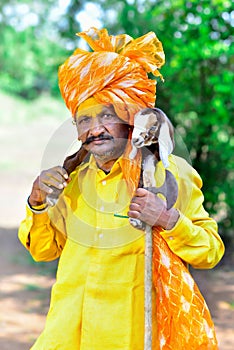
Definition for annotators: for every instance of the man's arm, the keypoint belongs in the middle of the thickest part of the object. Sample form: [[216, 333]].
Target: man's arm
[[36, 232], [195, 237], [187, 228]]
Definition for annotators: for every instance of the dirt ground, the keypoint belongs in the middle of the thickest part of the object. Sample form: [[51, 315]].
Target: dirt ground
[[24, 294], [25, 286]]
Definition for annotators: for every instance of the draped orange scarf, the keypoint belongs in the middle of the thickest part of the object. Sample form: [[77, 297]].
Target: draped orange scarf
[[116, 72]]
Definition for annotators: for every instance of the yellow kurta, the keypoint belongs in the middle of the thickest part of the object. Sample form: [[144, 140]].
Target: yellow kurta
[[98, 299]]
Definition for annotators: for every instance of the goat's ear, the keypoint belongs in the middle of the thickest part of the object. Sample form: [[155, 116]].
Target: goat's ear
[[166, 143], [133, 152]]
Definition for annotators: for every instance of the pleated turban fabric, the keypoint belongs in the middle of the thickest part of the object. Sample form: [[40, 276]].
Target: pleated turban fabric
[[115, 72]]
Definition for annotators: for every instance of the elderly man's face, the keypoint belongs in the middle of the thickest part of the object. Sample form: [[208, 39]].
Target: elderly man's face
[[102, 132]]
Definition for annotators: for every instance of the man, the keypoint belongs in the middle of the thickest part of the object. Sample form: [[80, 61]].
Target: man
[[97, 301]]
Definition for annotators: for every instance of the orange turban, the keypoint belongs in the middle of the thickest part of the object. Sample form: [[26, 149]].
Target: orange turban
[[114, 72]]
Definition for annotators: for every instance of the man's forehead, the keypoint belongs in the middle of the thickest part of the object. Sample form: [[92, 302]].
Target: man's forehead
[[93, 110]]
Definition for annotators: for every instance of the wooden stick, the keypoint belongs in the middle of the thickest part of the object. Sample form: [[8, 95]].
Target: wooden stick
[[148, 288]]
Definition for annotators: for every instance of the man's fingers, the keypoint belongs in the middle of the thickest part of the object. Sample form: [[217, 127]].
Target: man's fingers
[[60, 170], [141, 197], [134, 214], [57, 182], [135, 207], [45, 188], [55, 177], [141, 192], [46, 182]]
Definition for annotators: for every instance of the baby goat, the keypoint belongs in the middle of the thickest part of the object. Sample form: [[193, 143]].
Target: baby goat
[[154, 131]]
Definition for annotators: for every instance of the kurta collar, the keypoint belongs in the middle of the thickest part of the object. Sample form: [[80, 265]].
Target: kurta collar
[[92, 164]]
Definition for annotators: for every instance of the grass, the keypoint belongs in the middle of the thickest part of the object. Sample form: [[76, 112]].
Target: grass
[[30, 287]]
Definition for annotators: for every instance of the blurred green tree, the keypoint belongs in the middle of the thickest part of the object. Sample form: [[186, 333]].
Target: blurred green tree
[[33, 45]]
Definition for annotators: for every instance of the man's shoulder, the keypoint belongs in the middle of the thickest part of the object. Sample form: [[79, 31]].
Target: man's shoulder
[[180, 162], [183, 169]]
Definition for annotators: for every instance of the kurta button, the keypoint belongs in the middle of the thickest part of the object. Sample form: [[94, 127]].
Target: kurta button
[[104, 182], [171, 238], [102, 208]]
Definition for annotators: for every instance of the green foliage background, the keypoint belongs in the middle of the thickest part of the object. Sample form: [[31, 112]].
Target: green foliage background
[[197, 93]]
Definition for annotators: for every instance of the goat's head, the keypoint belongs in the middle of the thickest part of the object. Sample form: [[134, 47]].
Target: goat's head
[[151, 125]]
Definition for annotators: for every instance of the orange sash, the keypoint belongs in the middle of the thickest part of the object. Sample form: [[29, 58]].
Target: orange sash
[[183, 318]]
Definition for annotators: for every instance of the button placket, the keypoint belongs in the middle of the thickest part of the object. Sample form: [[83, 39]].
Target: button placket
[[100, 210]]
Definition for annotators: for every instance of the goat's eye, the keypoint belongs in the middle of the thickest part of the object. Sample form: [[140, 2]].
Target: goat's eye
[[153, 128]]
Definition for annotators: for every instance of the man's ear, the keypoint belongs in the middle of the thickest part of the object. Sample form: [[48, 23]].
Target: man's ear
[[166, 142]]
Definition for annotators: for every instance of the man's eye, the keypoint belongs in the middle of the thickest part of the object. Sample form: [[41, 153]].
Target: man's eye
[[84, 120], [107, 116]]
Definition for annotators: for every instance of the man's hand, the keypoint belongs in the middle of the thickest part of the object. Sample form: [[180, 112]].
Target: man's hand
[[151, 209], [56, 177]]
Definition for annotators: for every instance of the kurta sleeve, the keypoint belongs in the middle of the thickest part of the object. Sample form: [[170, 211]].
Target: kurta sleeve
[[44, 241], [195, 237]]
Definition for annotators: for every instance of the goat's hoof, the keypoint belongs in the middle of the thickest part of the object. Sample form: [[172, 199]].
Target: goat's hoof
[[138, 224]]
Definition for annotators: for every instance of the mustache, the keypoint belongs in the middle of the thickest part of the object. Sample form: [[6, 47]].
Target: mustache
[[100, 137]]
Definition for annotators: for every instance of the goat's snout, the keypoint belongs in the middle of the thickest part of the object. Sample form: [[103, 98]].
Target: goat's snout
[[135, 140], [138, 141]]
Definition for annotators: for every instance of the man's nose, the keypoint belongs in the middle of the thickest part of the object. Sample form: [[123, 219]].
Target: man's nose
[[96, 126]]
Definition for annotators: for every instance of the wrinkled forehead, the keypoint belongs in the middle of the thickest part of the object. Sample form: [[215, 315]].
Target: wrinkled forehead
[[92, 108]]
